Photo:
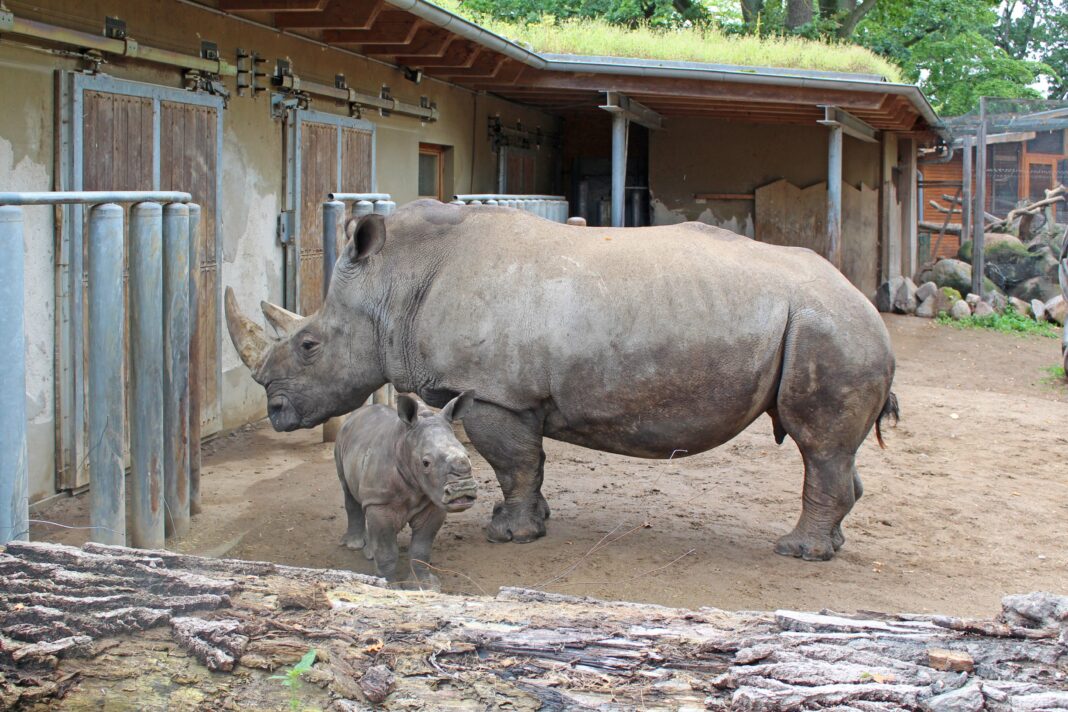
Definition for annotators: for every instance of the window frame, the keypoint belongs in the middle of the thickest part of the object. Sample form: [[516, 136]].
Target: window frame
[[438, 151]]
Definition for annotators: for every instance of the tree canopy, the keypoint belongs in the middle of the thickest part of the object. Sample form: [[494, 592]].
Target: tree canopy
[[956, 50]]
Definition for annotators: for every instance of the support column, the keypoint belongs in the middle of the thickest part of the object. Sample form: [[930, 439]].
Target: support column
[[14, 483], [333, 234], [967, 204], [146, 376], [979, 213], [834, 197], [107, 401], [619, 167], [909, 208], [196, 364], [176, 368]]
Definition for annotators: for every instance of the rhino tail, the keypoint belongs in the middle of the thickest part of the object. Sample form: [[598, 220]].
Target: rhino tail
[[890, 410]]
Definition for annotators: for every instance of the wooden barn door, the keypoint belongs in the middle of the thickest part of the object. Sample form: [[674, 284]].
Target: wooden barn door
[[129, 136], [324, 154]]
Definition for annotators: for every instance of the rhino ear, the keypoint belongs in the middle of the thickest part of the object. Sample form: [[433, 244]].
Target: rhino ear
[[366, 236], [408, 410], [458, 407]]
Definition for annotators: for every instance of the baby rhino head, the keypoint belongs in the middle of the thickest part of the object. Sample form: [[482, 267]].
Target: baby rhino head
[[432, 454]]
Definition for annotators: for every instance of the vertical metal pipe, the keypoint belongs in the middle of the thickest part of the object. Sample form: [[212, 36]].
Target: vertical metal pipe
[[107, 487], [978, 220], [834, 197], [196, 364], [146, 376], [14, 486], [333, 233], [176, 368], [619, 167], [967, 205]]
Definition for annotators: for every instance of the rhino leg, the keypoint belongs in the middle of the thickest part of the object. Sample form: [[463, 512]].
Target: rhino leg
[[382, 541], [354, 535], [511, 444], [829, 494], [425, 527]]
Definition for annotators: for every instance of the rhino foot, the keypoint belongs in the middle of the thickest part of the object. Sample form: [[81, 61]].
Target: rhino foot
[[352, 541], [543, 510], [810, 547], [517, 524]]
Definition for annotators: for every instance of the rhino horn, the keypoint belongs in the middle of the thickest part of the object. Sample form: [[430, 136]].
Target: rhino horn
[[284, 321], [247, 335]]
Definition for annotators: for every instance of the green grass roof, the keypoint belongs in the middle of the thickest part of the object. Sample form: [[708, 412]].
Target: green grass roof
[[598, 38]]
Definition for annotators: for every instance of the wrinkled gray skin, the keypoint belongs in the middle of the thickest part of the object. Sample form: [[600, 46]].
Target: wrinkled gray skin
[[401, 467], [638, 341]]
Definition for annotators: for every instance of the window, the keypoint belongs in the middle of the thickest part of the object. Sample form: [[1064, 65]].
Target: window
[[431, 171]]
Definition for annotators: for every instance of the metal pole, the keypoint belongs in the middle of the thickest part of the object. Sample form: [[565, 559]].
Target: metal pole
[[834, 197], [14, 488], [967, 206], [978, 224], [146, 376], [176, 368], [333, 229], [619, 166], [196, 364], [107, 488]]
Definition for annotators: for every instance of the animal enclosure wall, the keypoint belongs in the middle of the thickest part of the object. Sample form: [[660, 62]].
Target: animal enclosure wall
[[249, 169]]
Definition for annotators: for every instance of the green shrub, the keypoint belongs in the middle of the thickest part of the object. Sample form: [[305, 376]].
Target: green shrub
[[1010, 322]]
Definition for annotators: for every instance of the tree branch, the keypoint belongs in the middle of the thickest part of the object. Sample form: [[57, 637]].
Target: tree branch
[[854, 17]]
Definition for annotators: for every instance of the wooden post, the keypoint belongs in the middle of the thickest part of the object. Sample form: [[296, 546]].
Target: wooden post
[[834, 197], [967, 205], [889, 211], [978, 261], [909, 208]]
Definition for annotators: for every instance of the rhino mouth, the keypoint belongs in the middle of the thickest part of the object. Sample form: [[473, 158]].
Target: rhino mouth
[[459, 496]]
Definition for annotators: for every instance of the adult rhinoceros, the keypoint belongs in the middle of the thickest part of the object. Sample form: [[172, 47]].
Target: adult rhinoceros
[[643, 342]]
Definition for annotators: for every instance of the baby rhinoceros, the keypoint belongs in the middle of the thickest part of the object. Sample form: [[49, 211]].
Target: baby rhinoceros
[[402, 467]]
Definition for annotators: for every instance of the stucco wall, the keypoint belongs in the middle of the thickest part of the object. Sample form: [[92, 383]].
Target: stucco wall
[[695, 155], [252, 165]]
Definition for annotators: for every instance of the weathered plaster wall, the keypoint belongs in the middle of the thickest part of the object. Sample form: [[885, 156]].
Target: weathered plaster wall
[[252, 164], [695, 155]]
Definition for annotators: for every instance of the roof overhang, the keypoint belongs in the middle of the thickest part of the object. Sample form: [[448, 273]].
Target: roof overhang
[[420, 35]]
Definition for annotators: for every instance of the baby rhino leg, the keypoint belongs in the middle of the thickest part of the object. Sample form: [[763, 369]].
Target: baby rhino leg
[[382, 541], [425, 526]]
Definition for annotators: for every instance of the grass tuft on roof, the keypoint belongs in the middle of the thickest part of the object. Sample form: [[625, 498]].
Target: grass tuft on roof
[[694, 44]]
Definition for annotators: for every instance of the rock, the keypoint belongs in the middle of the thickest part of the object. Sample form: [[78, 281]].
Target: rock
[[887, 292], [1042, 288], [958, 275], [997, 300], [990, 239], [1011, 263], [905, 297], [1038, 308], [973, 299], [984, 309], [1020, 306], [925, 290], [966, 699], [1057, 310], [1034, 610], [960, 310], [926, 309], [950, 660], [377, 683]]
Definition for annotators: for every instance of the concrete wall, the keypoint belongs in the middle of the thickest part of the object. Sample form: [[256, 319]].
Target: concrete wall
[[697, 155], [252, 165]]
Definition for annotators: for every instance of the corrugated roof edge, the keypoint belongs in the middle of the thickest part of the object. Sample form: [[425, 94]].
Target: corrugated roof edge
[[656, 68]]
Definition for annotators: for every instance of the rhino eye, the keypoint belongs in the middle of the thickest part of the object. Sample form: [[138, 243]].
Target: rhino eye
[[308, 344], [426, 462]]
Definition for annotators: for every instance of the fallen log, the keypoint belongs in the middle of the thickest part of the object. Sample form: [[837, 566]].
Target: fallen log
[[218, 634]]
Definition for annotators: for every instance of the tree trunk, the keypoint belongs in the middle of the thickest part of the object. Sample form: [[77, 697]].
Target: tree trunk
[[751, 10], [798, 13], [82, 628]]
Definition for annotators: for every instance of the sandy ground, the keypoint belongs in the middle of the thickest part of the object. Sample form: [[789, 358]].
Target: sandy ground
[[968, 503]]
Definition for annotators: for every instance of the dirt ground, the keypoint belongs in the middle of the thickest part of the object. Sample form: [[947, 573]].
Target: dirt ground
[[968, 502]]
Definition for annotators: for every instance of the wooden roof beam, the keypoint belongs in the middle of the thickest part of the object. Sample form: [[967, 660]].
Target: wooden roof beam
[[390, 28], [352, 14], [272, 5], [428, 42], [459, 54], [617, 103], [487, 66]]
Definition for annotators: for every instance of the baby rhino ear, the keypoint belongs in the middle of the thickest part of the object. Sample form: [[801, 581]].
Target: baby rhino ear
[[459, 406], [408, 410]]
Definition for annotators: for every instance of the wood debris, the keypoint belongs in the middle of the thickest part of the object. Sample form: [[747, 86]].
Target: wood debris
[[81, 626]]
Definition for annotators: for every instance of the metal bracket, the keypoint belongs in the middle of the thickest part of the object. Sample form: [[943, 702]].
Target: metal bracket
[[284, 220], [388, 96], [851, 125], [339, 82], [7, 20], [115, 28], [249, 75], [209, 50], [618, 103]]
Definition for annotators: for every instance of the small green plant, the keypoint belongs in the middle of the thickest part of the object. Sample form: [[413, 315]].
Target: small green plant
[[1055, 375], [1010, 322], [290, 679]]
